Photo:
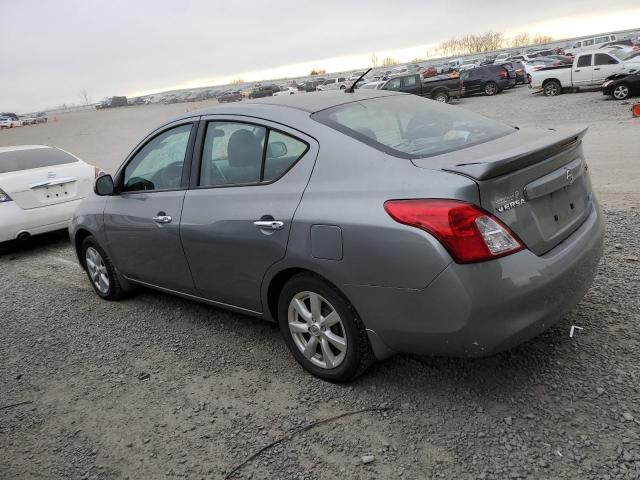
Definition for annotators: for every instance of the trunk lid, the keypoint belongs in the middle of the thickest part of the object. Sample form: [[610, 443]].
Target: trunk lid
[[38, 177], [535, 181]]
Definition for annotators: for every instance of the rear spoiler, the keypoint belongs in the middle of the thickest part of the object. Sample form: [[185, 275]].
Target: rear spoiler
[[522, 155]]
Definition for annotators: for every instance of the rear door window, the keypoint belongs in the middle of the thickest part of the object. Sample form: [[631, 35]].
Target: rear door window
[[604, 59], [17, 160], [237, 153], [283, 151]]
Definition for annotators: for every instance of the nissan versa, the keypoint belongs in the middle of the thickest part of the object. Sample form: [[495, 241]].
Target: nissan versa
[[365, 223]]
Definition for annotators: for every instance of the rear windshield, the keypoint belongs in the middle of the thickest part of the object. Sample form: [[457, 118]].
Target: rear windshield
[[408, 126], [33, 158]]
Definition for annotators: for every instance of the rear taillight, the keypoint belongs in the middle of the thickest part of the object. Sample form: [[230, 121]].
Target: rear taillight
[[4, 197], [98, 172], [469, 233]]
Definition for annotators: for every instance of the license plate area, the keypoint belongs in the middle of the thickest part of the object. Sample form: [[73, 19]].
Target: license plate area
[[55, 193], [561, 210]]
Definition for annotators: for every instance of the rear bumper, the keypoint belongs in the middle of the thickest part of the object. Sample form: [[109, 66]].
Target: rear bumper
[[481, 309], [14, 220]]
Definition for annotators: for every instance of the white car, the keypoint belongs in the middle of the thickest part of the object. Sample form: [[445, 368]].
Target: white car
[[40, 188], [589, 69], [338, 83], [502, 58], [589, 44], [8, 122], [375, 85], [286, 91]]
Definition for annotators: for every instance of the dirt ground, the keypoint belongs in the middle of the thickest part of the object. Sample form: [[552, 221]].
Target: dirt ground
[[160, 387]]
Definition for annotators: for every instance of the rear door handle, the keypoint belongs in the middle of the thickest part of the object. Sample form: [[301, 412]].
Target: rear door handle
[[596, 69], [269, 224], [162, 218]]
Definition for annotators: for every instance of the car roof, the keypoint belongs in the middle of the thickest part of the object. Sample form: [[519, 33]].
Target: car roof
[[308, 102]]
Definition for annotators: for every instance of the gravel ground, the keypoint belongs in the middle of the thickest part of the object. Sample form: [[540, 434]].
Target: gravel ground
[[160, 387]]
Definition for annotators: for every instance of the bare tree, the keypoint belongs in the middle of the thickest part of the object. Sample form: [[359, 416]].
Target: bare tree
[[520, 40], [389, 61], [318, 71], [84, 97], [237, 81], [539, 38], [374, 60]]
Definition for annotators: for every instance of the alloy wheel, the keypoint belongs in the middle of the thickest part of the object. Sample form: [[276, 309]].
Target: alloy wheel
[[97, 270], [621, 92], [317, 330], [551, 89], [491, 89]]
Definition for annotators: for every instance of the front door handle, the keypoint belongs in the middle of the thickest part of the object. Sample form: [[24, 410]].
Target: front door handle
[[162, 217], [269, 224], [596, 69]]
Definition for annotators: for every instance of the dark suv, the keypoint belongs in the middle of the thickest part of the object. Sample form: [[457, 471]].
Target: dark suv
[[264, 91], [487, 79]]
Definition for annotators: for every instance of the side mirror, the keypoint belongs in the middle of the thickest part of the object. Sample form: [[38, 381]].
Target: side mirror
[[104, 185], [276, 149]]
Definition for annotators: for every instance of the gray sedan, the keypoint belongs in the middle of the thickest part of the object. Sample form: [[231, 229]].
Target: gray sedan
[[366, 223]]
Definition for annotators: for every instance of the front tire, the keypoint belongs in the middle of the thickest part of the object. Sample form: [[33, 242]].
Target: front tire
[[621, 92], [552, 88], [100, 270], [490, 88], [322, 329]]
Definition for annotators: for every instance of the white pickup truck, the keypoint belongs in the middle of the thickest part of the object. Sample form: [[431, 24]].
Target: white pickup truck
[[589, 70]]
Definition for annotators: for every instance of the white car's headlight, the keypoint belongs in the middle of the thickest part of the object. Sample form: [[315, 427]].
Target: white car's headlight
[[4, 197]]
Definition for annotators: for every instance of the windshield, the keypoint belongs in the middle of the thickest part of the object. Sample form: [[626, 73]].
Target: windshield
[[622, 55], [409, 126]]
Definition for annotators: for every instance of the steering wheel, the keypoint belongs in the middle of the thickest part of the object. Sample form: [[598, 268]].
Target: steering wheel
[[171, 175]]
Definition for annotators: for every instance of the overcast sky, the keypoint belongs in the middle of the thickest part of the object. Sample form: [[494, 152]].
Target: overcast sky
[[50, 50]]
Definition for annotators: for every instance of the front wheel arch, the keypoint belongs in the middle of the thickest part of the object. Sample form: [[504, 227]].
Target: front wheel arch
[[81, 235]]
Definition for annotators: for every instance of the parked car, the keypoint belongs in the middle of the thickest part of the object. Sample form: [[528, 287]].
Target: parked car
[[540, 63], [589, 44], [337, 83], [40, 187], [488, 79], [441, 88], [264, 91], [230, 96], [462, 243], [621, 87], [589, 69], [309, 85], [286, 91], [502, 58], [521, 74], [112, 102], [373, 85], [8, 122]]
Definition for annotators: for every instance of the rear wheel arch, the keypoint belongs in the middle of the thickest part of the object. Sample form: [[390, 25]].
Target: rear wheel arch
[[279, 280]]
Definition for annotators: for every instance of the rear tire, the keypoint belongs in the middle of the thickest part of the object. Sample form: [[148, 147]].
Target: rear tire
[[441, 97], [552, 88], [101, 272], [490, 88], [621, 92], [334, 326]]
